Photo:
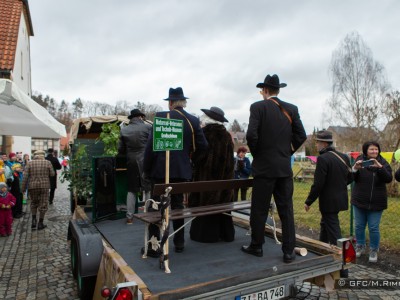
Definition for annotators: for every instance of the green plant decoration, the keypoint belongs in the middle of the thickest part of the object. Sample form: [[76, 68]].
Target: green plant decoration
[[78, 175], [109, 135]]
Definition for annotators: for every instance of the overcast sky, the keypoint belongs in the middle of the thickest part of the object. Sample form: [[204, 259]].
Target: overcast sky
[[216, 50]]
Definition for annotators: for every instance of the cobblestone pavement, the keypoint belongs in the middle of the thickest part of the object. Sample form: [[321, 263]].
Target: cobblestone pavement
[[36, 264]]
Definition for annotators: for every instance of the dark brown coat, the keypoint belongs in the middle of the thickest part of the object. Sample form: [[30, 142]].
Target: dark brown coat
[[215, 163]]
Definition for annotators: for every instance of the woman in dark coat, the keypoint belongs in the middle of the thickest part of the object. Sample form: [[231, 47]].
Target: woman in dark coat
[[369, 197], [215, 163]]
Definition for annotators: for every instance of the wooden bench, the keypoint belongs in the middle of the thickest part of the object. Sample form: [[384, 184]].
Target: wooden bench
[[155, 217], [199, 186]]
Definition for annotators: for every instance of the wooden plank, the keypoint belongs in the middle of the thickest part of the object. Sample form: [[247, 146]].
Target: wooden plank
[[155, 216], [202, 186]]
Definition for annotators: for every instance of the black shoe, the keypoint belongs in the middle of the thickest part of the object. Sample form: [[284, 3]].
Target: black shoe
[[34, 223], [50, 202], [344, 273], [288, 258], [18, 216], [151, 252], [253, 250], [41, 226], [179, 249]]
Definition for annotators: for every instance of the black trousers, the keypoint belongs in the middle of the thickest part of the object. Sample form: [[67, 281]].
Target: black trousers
[[243, 194], [282, 190], [330, 228], [51, 197], [17, 208], [176, 203], [53, 186]]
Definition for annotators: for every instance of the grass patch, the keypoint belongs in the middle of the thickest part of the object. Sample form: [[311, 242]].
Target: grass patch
[[389, 228]]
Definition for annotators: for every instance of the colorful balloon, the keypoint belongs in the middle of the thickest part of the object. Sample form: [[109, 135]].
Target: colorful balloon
[[397, 155]]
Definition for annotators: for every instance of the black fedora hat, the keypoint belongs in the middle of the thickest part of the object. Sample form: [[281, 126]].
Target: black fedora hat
[[176, 94], [136, 113], [215, 113], [271, 81], [324, 136]]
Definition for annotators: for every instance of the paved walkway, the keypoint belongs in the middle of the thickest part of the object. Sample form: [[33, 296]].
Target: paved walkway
[[36, 264]]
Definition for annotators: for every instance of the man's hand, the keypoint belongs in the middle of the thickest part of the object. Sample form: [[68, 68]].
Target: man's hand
[[306, 207]]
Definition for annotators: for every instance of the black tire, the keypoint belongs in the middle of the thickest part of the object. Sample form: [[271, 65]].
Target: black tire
[[74, 258], [86, 286]]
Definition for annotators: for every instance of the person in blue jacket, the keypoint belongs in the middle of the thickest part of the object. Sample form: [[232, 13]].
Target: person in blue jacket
[[242, 170]]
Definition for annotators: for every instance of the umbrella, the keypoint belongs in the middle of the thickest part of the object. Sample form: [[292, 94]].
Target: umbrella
[[20, 115]]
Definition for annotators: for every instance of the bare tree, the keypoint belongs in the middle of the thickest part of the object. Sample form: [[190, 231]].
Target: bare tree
[[90, 108], [235, 127], [358, 84], [391, 109], [77, 108], [122, 108], [149, 110]]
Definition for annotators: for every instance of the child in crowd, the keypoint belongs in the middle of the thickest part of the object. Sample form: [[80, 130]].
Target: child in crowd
[[16, 191], [7, 201]]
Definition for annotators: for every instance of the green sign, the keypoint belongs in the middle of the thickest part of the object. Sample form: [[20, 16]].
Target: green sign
[[167, 134]]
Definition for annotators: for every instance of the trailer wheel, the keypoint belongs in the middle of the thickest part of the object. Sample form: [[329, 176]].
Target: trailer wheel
[[86, 286], [74, 258]]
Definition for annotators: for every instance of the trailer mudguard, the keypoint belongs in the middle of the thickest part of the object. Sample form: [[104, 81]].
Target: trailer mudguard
[[89, 246]]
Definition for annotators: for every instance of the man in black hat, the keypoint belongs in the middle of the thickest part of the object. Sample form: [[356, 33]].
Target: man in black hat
[[53, 179], [132, 143], [180, 160], [274, 133], [331, 177]]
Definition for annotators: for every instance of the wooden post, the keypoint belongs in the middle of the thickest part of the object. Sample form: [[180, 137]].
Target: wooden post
[[166, 245]]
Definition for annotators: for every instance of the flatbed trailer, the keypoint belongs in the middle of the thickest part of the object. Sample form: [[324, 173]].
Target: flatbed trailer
[[203, 271], [106, 252]]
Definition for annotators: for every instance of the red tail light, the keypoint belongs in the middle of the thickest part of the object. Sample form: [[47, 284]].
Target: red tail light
[[105, 292], [123, 294], [349, 253]]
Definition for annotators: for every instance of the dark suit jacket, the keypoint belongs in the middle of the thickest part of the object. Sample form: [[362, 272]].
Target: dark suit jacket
[[180, 164], [272, 139], [331, 178], [56, 166], [132, 142]]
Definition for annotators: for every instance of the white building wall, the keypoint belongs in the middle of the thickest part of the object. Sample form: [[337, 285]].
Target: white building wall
[[22, 144], [22, 77], [22, 64]]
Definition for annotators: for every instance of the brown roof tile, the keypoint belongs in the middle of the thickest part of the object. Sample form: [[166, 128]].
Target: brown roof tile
[[10, 15]]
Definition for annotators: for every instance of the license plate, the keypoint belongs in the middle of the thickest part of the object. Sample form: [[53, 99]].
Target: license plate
[[270, 294]]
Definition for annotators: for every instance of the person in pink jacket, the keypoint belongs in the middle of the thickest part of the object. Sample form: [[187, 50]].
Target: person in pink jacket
[[7, 201]]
